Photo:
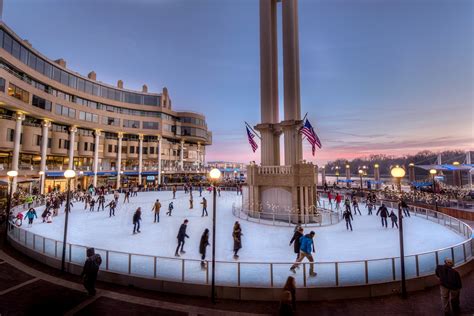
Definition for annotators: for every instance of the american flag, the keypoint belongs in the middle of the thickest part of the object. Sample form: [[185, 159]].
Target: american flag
[[313, 139], [251, 137]]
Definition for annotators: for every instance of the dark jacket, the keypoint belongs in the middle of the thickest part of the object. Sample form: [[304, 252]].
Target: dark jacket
[[393, 216], [296, 238], [449, 278], [347, 215], [383, 211], [237, 235], [182, 232], [137, 217], [203, 243], [91, 267]]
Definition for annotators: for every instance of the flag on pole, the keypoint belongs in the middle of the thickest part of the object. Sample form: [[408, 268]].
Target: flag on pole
[[313, 139], [251, 137]]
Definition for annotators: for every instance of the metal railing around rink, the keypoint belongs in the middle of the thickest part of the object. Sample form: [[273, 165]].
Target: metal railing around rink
[[264, 274]]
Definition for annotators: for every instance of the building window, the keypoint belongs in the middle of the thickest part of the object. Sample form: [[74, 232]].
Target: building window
[[150, 125], [65, 111], [110, 121], [10, 135], [18, 93], [86, 116], [131, 124], [50, 140], [152, 150], [132, 149], [41, 103], [85, 146], [145, 150], [38, 139], [2, 84]]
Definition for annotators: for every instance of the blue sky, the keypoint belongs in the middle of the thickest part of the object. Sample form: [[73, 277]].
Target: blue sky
[[377, 76]]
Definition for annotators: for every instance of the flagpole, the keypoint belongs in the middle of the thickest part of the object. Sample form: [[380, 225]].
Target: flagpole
[[252, 129]]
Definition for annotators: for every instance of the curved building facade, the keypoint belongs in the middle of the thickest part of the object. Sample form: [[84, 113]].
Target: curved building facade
[[53, 119]]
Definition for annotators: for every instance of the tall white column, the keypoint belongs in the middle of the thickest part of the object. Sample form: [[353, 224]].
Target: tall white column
[[199, 155], [159, 158], [181, 156], [44, 149], [72, 140], [96, 155], [140, 158], [16, 147], [119, 158], [291, 82]]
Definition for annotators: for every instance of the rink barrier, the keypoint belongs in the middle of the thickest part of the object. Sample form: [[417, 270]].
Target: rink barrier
[[255, 275], [322, 217]]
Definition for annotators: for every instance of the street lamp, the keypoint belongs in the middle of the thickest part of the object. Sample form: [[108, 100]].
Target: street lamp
[[68, 174], [214, 175], [11, 174], [361, 172], [433, 173], [398, 173], [337, 174]]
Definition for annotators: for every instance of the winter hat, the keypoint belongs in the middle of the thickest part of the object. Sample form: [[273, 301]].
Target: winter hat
[[312, 233]]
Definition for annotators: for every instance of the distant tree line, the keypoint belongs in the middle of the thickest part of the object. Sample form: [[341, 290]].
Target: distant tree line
[[386, 162]]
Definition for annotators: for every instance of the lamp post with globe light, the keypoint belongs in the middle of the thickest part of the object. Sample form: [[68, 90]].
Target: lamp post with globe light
[[433, 173], [214, 176], [68, 174], [11, 175], [361, 173], [398, 173], [337, 174]]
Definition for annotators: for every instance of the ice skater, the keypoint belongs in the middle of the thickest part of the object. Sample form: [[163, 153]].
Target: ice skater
[[190, 201], [91, 205], [237, 236], [116, 197], [369, 206], [200, 190], [157, 208], [204, 206], [296, 240], [306, 245], [338, 199], [112, 205], [174, 192], [181, 236], [355, 206], [348, 217], [127, 196], [170, 209], [101, 202], [394, 218], [30, 215], [137, 217], [404, 207], [203, 246], [383, 214]]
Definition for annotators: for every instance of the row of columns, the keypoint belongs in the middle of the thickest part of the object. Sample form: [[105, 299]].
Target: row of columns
[[72, 137]]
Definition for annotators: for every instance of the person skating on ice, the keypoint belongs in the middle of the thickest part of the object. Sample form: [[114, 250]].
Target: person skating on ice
[[383, 214], [295, 240], [116, 197], [112, 205], [203, 246], [237, 236], [348, 217], [191, 201], [91, 204], [170, 209], [30, 215], [101, 202], [137, 217], [369, 206], [338, 199], [355, 205], [306, 245], [156, 208], [181, 236], [204, 206], [394, 218], [127, 196], [174, 191], [404, 207]]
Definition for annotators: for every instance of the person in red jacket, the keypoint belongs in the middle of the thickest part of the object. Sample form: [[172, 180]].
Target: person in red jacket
[[330, 198], [338, 201]]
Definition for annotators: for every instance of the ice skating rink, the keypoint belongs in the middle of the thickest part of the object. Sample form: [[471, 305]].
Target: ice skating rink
[[261, 243]]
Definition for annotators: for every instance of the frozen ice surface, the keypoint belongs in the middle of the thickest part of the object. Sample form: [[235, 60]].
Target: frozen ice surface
[[261, 243]]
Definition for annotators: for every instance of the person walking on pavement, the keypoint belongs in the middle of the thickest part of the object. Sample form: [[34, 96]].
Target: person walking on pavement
[[203, 246], [181, 235], [157, 208], [296, 240], [305, 252], [204, 206], [450, 286], [90, 270], [383, 214]]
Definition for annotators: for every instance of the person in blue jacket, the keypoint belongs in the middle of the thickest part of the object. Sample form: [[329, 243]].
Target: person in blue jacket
[[306, 246], [31, 214]]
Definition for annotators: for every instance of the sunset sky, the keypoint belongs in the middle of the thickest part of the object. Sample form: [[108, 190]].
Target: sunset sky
[[377, 76]]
